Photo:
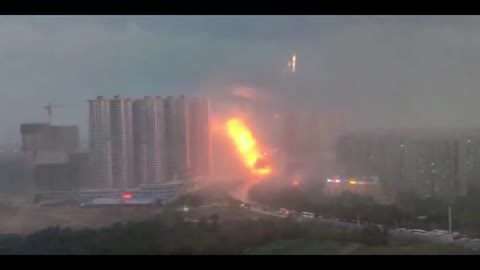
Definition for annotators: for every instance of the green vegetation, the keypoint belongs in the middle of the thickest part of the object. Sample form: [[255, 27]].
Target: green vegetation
[[404, 213], [297, 247], [204, 197], [307, 247], [168, 233], [221, 230]]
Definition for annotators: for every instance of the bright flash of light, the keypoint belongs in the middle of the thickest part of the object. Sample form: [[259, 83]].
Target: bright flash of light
[[294, 62], [247, 147]]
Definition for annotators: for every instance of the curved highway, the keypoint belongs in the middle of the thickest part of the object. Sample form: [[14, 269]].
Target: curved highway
[[437, 236]]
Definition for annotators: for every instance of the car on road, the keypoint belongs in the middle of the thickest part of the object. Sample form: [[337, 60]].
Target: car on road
[[245, 205], [294, 213], [283, 211], [308, 215], [418, 231]]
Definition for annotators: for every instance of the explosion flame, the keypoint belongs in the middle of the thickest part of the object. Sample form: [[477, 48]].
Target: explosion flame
[[247, 147]]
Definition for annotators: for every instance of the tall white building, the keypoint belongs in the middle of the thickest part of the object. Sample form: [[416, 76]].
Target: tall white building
[[139, 116], [199, 137], [100, 142], [177, 137], [149, 140], [130, 143], [121, 139], [155, 140]]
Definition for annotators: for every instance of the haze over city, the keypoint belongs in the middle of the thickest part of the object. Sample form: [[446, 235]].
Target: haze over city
[[380, 71], [298, 131]]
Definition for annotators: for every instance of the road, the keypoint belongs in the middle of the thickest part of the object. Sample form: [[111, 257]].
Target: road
[[405, 234]]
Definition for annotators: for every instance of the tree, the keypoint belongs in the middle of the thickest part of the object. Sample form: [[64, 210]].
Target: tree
[[215, 218], [374, 235]]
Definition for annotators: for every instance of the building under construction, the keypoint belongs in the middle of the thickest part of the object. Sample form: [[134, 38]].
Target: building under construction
[[51, 157], [44, 143]]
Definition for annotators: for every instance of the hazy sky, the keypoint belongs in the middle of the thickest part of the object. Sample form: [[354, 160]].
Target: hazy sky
[[382, 71]]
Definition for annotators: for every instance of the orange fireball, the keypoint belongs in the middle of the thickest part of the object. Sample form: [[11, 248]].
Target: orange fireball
[[247, 147]]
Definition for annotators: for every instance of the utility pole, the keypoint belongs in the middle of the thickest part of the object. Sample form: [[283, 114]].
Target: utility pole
[[450, 220]]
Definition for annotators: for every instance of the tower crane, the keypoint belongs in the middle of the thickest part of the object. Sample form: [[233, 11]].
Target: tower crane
[[49, 109]]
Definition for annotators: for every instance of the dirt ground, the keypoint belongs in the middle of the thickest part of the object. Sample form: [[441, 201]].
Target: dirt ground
[[20, 215]]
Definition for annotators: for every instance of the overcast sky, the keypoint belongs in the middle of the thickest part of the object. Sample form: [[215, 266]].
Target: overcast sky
[[382, 71]]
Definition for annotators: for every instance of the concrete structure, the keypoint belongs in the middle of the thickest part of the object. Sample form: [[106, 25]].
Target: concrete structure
[[366, 186], [164, 192], [53, 177], [51, 157], [130, 143], [68, 175], [121, 142], [80, 170], [155, 140], [31, 141], [121, 202], [468, 147], [139, 116], [43, 143], [177, 138], [199, 137], [149, 140], [182, 142], [432, 167], [100, 142], [429, 163]]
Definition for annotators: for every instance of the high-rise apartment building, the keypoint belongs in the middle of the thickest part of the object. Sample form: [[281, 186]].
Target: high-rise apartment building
[[100, 142], [130, 143], [120, 140], [139, 116], [155, 140], [160, 142], [149, 140], [177, 137], [431, 164], [199, 137], [468, 147]]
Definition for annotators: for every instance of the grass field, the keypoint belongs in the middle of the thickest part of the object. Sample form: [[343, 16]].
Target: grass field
[[307, 247]]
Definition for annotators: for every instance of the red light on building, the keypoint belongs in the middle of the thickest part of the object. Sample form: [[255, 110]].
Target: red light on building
[[127, 196], [295, 183]]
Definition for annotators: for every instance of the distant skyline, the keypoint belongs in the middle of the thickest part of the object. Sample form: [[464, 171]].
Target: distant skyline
[[382, 71]]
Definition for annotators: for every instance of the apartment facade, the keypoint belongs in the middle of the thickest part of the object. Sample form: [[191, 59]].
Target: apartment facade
[[100, 142], [149, 141], [199, 137], [177, 138], [120, 141], [430, 164]]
